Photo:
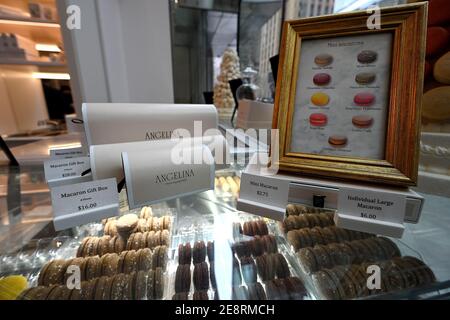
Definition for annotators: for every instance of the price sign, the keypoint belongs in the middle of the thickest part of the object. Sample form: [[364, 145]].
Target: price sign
[[65, 168], [81, 203], [265, 193], [67, 153], [372, 205]]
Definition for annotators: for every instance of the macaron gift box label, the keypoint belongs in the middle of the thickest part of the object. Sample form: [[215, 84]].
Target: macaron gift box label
[[166, 174], [81, 203], [67, 153], [66, 171], [355, 95]]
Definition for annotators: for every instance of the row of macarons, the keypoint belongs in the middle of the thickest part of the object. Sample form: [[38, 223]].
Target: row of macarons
[[362, 99], [364, 57], [363, 78], [359, 121]]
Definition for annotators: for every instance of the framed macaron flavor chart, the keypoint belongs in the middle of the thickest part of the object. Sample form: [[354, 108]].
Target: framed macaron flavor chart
[[348, 101]]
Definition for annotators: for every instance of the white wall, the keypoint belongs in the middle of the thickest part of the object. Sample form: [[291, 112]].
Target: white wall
[[147, 45], [84, 55], [122, 52]]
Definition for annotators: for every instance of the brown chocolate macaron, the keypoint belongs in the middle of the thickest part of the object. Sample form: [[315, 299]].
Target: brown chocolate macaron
[[182, 296], [184, 253], [183, 278], [248, 268], [256, 292], [201, 276], [295, 288], [199, 252], [200, 295]]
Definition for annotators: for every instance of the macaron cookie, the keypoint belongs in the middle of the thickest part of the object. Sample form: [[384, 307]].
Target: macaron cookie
[[240, 293], [82, 264], [365, 78], [308, 261], [164, 238], [130, 263], [248, 268], [323, 60], [337, 141], [93, 267], [321, 79], [144, 259], [88, 289], [127, 224], [109, 264], [167, 222], [82, 245], [139, 285], [318, 120], [283, 293], [151, 241], [367, 56], [182, 296], [183, 278], [295, 288], [256, 292], [12, 286], [200, 296], [163, 257], [362, 121], [282, 267], [150, 285], [364, 99], [320, 99], [142, 225], [103, 245], [159, 284], [201, 276], [199, 252], [184, 253], [262, 228]]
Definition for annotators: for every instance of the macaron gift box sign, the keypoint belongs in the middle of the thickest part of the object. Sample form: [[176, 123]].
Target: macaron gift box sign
[[349, 85]]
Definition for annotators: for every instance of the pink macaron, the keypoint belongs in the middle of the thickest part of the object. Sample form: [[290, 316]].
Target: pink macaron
[[318, 120], [364, 99]]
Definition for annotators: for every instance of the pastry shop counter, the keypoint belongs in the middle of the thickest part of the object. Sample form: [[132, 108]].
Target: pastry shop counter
[[200, 247]]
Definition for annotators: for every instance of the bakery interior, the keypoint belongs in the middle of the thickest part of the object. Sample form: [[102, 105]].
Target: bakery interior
[[216, 52]]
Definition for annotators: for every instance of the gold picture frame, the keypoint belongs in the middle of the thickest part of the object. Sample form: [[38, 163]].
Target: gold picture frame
[[398, 165]]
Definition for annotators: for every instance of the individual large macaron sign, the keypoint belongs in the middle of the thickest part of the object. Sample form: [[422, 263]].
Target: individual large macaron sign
[[342, 96]]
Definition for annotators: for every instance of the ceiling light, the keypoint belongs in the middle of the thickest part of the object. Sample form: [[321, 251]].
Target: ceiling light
[[51, 76], [47, 47], [30, 23]]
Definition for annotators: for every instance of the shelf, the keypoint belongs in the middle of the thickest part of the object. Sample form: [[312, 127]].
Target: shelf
[[33, 22], [20, 62]]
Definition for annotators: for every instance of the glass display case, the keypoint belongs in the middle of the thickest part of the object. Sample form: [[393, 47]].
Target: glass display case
[[200, 247]]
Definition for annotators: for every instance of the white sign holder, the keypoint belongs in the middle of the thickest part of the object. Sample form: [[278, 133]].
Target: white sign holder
[[303, 190]]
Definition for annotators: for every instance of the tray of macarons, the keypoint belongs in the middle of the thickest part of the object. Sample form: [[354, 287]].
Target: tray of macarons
[[128, 262], [336, 263], [262, 269], [227, 183]]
